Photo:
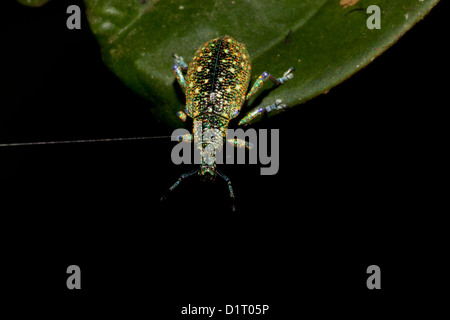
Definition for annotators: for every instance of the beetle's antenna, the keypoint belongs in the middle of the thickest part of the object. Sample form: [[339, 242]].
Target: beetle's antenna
[[21, 144]]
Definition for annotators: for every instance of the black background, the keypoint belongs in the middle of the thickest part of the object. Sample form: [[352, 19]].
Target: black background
[[352, 189]]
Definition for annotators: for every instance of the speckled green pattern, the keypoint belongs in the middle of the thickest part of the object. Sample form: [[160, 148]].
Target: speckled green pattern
[[218, 78]]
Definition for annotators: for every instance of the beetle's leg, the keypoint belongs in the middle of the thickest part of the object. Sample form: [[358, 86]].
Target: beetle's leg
[[180, 62], [257, 86], [182, 115], [251, 115], [178, 68], [181, 178], [186, 138], [230, 188], [239, 143]]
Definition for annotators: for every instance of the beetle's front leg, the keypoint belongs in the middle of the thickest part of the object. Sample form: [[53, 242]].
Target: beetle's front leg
[[230, 190], [257, 86], [251, 115], [178, 68], [180, 179]]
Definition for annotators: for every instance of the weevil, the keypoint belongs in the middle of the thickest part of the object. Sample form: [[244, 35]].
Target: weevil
[[215, 86]]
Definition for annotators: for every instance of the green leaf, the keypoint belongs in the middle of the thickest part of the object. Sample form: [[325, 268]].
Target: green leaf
[[328, 41], [33, 3]]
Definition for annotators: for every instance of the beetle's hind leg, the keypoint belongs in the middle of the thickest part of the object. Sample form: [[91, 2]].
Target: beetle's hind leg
[[251, 115], [180, 62], [257, 86], [178, 68]]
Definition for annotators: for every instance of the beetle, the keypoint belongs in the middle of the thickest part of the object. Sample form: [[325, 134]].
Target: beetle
[[216, 86]]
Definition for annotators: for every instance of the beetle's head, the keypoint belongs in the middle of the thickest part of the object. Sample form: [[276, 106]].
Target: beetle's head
[[208, 173]]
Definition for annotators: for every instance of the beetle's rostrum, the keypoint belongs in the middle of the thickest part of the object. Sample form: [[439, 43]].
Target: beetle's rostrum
[[216, 86]]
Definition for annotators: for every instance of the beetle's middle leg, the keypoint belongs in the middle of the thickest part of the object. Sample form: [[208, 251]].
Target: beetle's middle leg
[[182, 115], [257, 86], [251, 115], [186, 138], [178, 68], [239, 143]]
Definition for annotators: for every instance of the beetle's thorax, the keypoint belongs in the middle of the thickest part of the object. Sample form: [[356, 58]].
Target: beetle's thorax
[[210, 132], [210, 129]]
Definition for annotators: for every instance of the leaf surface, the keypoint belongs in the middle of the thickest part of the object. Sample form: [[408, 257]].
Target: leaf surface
[[33, 3], [325, 40]]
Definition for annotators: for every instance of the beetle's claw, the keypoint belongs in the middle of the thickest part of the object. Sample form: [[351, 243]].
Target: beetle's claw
[[288, 74], [177, 58]]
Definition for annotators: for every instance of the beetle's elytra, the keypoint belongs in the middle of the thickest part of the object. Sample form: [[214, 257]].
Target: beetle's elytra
[[216, 86], [217, 79]]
